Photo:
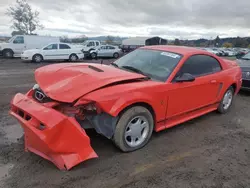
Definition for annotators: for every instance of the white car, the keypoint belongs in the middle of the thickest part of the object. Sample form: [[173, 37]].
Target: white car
[[213, 51], [19, 43], [106, 51], [54, 51], [230, 52]]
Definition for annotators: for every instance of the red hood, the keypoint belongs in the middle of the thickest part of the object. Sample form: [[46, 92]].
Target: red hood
[[68, 82]]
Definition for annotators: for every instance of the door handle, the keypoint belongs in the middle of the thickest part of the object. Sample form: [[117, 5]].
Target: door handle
[[213, 81]]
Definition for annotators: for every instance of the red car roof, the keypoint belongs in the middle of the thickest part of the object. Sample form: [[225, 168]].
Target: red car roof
[[175, 49]]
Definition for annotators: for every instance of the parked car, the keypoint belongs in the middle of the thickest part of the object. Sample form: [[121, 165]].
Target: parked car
[[244, 63], [53, 51], [106, 51], [230, 52], [224, 53], [90, 45], [19, 43], [212, 51], [151, 88], [241, 52]]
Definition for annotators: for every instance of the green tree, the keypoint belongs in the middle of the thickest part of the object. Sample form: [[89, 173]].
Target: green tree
[[240, 42], [177, 42], [24, 19], [109, 40], [227, 45], [249, 46], [217, 41]]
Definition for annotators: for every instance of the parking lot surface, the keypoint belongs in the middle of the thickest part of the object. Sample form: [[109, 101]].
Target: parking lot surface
[[210, 151]]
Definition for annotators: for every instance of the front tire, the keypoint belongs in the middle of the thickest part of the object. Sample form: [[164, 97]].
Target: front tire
[[134, 129], [8, 54], [116, 55], [37, 58], [226, 101], [73, 57]]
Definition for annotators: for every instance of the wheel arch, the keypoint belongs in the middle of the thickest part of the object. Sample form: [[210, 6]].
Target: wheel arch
[[5, 49], [38, 54], [234, 85], [143, 104]]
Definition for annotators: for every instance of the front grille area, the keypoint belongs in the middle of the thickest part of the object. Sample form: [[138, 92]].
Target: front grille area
[[246, 83], [246, 75], [36, 123], [21, 113]]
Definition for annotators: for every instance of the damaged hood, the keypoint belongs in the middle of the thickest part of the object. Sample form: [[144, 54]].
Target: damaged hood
[[67, 82]]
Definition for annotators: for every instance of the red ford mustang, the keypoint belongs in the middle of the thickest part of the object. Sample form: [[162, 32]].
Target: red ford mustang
[[152, 88]]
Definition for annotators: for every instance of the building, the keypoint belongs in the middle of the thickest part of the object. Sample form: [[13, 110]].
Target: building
[[136, 42]]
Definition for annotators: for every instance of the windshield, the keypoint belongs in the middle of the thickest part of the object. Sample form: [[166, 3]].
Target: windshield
[[247, 56], [85, 43], [11, 39], [157, 65]]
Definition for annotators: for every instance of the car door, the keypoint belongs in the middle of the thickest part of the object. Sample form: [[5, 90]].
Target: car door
[[185, 97], [111, 51], [50, 52], [18, 45], [64, 51], [102, 51]]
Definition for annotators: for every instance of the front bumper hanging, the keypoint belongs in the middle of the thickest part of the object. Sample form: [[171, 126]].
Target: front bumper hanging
[[50, 134]]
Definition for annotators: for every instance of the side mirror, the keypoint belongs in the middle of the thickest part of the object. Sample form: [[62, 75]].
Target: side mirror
[[186, 77]]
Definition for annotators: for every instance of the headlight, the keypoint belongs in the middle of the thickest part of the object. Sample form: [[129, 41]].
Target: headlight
[[36, 86]]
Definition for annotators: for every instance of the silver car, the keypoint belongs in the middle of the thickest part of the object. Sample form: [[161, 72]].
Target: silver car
[[106, 51]]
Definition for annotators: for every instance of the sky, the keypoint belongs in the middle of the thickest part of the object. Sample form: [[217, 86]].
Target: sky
[[184, 19]]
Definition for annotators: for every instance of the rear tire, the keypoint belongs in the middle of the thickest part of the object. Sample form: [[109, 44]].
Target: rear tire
[[73, 57], [37, 58], [226, 101], [116, 55], [8, 53], [134, 129]]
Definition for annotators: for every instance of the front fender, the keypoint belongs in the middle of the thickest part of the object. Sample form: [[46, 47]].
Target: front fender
[[115, 106]]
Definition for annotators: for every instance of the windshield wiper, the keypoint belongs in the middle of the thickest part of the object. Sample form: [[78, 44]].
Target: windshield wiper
[[135, 70], [115, 65]]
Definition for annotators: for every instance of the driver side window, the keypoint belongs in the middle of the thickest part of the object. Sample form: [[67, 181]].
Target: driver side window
[[199, 65], [51, 47], [18, 40]]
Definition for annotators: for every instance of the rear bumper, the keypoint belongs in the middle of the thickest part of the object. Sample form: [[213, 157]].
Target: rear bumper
[[50, 134]]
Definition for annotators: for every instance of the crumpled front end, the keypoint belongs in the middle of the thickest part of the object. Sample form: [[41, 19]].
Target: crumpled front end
[[51, 134]]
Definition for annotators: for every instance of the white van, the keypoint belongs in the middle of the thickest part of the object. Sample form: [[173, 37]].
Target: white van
[[19, 43]]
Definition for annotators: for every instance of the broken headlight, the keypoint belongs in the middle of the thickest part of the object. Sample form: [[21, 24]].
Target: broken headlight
[[78, 111]]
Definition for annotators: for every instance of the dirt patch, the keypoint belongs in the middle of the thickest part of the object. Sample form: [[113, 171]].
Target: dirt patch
[[210, 151]]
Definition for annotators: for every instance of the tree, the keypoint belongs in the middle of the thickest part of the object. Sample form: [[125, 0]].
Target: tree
[[17, 33], [249, 46], [227, 45], [217, 41], [65, 39], [24, 19], [109, 40], [177, 42], [240, 42]]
